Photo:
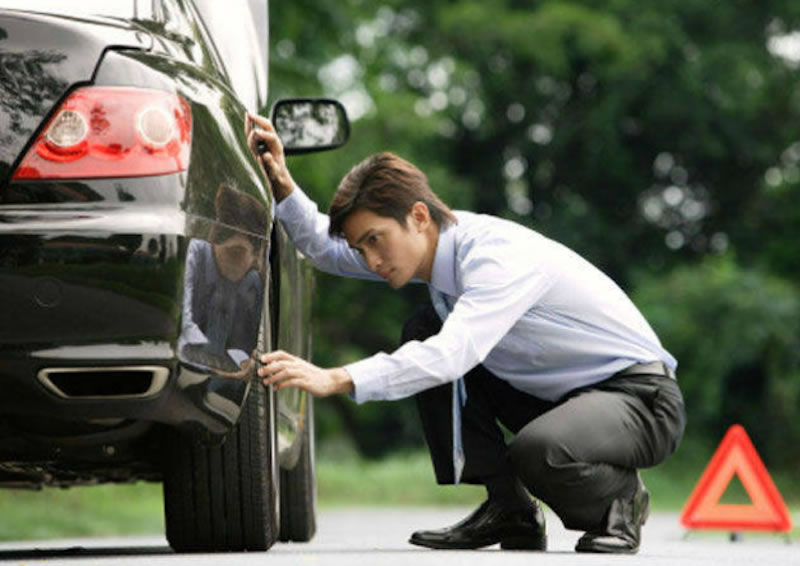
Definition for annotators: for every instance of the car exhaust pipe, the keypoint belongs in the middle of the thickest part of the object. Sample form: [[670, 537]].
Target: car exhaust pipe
[[121, 382]]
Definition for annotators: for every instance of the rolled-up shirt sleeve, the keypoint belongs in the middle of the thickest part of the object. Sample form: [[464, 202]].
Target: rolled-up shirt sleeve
[[308, 229], [498, 290]]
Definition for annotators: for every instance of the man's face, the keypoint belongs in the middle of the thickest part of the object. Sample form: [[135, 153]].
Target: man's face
[[235, 256], [395, 252]]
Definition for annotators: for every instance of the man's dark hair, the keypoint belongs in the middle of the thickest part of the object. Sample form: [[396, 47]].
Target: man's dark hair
[[389, 186], [238, 211]]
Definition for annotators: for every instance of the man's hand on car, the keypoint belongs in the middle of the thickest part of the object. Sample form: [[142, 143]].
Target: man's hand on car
[[267, 148], [282, 369]]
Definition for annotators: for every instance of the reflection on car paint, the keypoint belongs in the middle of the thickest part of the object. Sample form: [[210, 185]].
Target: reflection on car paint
[[223, 288]]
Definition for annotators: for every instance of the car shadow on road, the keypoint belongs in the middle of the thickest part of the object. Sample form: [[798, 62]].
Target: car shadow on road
[[82, 552]]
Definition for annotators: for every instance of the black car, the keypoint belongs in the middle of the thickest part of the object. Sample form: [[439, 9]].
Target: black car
[[141, 268]]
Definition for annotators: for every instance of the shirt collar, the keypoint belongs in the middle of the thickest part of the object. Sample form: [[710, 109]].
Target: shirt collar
[[443, 274]]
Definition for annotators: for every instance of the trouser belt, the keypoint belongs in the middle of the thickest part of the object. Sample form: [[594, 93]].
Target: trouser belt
[[651, 368]]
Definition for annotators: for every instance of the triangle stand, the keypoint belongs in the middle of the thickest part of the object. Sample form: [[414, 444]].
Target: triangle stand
[[736, 455]]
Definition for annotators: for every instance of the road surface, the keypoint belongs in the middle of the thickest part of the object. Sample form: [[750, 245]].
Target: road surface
[[377, 537]]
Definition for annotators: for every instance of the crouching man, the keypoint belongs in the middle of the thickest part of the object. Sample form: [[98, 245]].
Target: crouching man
[[521, 331]]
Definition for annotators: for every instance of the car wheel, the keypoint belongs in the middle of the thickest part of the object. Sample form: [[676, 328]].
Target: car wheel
[[223, 498], [299, 489]]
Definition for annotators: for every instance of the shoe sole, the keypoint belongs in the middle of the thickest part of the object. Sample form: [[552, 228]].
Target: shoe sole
[[598, 549], [538, 543], [449, 546]]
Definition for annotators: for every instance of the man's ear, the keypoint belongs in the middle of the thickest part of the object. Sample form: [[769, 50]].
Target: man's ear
[[420, 215]]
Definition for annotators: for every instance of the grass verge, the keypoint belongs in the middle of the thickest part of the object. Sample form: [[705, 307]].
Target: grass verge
[[105, 510]]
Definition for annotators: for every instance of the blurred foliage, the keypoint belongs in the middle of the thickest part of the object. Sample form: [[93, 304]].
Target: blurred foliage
[[656, 138], [737, 334]]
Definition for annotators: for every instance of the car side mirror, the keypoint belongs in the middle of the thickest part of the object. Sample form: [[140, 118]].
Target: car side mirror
[[305, 125]]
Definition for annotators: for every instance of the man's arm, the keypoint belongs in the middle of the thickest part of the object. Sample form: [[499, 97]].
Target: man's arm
[[499, 290], [482, 315], [190, 330], [282, 369], [273, 160], [299, 215]]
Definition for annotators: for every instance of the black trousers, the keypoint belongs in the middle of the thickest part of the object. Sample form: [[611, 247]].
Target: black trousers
[[577, 454]]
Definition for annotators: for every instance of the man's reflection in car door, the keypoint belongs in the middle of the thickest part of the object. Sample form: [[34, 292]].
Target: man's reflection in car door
[[224, 291]]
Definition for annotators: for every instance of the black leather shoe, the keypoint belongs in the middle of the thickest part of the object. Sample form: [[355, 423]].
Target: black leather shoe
[[623, 529], [488, 525]]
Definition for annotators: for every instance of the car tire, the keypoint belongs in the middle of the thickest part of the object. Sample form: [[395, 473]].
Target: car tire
[[299, 489], [223, 498]]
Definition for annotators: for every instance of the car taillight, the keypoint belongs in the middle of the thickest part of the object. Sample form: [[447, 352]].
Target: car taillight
[[112, 132]]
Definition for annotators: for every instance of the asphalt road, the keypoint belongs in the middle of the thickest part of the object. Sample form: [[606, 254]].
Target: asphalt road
[[377, 537]]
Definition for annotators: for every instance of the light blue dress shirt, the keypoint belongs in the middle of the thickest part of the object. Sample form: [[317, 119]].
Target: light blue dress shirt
[[532, 311]]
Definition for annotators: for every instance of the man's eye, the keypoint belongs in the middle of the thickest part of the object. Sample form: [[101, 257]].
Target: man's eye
[[372, 239]]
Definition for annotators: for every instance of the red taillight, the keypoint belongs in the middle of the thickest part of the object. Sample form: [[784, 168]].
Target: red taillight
[[112, 132]]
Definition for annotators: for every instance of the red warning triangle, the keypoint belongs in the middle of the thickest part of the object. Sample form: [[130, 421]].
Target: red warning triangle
[[736, 455]]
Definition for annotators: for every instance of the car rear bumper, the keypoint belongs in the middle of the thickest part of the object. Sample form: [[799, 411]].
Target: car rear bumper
[[92, 303], [111, 383]]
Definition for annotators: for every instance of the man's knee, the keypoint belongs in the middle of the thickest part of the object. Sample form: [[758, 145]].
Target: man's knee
[[537, 457], [422, 324]]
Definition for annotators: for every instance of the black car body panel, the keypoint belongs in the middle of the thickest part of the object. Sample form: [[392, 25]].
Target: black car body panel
[[105, 279]]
